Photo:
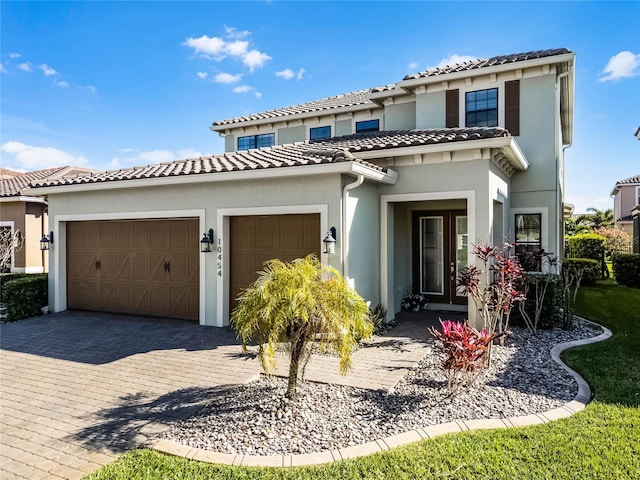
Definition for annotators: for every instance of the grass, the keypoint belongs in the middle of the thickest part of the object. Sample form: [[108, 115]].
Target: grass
[[601, 442]]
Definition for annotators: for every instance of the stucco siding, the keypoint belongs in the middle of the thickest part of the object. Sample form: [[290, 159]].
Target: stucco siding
[[400, 116], [362, 211], [291, 134], [430, 110], [230, 142], [15, 212], [343, 127]]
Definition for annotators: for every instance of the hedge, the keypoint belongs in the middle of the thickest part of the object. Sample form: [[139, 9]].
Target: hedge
[[591, 269], [626, 269], [551, 304], [25, 295], [589, 245]]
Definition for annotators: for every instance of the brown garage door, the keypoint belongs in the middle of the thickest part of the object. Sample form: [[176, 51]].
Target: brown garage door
[[135, 267], [255, 239]]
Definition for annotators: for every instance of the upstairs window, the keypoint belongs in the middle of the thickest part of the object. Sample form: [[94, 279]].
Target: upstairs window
[[256, 141], [368, 126], [482, 108], [320, 133]]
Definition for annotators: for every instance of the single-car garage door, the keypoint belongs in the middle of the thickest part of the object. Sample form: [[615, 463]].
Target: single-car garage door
[[134, 267], [255, 239]]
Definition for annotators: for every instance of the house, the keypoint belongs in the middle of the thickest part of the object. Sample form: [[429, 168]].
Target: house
[[626, 195], [405, 177], [28, 214]]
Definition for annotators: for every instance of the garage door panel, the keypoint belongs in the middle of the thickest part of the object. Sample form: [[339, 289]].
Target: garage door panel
[[143, 267], [256, 239]]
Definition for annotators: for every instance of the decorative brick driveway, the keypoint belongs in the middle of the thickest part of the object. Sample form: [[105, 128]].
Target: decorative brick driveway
[[78, 388]]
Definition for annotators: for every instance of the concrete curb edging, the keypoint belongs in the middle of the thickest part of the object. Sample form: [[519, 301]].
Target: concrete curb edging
[[578, 403]]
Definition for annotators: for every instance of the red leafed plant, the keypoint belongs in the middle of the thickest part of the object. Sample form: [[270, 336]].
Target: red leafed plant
[[464, 348]]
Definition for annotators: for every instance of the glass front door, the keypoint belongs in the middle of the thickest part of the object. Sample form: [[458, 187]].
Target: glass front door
[[440, 242]]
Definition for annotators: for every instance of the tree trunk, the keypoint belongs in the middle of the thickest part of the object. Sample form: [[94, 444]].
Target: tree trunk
[[297, 348]]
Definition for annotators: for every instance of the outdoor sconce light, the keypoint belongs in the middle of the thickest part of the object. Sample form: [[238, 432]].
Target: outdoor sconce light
[[330, 241], [207, 240], [46, 242]]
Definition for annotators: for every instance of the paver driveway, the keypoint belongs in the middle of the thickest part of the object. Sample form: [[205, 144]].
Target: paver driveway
[[78, 388]]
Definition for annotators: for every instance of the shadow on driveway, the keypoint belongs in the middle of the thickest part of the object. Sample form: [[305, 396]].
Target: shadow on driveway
[[99, 338]]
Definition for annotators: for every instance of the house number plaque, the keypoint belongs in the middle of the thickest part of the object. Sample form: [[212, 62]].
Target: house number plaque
[[219, 254]]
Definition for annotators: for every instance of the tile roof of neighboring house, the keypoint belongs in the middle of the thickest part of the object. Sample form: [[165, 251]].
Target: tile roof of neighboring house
[[635, 180], [489, 62], [340, 149], [13, 183], [362, 97]]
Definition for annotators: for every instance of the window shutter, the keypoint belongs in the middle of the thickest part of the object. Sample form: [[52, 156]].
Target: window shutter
[[452, 109], [512, 107]]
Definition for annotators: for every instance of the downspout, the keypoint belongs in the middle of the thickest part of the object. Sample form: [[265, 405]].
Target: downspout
[[564, 166], [345, 235]]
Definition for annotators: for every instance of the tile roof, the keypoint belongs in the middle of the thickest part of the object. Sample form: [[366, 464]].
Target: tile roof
[[13, 183], [340, 149], [361, 97], [629, 181], [489, 62]]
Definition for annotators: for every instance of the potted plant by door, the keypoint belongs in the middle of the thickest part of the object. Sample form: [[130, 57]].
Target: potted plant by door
[[414, 302]]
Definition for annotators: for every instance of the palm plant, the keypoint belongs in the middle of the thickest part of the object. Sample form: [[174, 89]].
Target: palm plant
[[597, 218], [296, 303]]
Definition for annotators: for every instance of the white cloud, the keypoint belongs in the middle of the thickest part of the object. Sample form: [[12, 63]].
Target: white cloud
[[247, 89], [413, 66], [237, 48], [127, 150], [24, 66], [622, 65], [38, 158], [287, 74], [47, 70], [227, 78], [14, 55], [455, 58], [206, 45], [91, 88], [188, 153], [2, 69], [233, 32], [255, 59], [62, 84], [157, 156], [202, 75]]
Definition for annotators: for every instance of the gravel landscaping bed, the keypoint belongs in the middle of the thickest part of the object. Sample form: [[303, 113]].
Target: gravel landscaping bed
[[256, 418]]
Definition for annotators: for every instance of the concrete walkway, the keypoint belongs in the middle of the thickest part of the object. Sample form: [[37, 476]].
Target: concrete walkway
[[78, 388]]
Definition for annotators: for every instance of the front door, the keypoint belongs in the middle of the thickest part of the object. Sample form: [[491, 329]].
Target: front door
[[440, 242]]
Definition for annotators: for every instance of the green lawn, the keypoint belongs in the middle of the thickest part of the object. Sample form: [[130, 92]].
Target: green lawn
[[601, 442]]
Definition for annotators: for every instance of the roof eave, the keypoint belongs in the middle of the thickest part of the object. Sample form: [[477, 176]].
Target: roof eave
[[354, 168], [535, 62], [296, 116]]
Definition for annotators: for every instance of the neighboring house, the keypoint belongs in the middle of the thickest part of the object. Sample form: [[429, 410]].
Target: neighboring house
[[28, 214], [409, 175], [626, 196]]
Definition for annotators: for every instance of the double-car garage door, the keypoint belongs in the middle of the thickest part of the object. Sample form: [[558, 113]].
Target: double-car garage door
[[135, 267], [151, 267]]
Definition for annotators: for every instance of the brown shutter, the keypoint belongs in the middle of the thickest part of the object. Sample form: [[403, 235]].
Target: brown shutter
[[452, 109], [512, 107]]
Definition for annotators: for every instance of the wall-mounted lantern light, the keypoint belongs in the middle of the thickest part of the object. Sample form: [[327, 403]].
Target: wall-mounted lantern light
[[46, 242], [330, 241], [207, 240]]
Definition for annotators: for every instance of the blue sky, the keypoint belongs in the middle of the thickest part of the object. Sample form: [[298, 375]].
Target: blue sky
[[114, 84]]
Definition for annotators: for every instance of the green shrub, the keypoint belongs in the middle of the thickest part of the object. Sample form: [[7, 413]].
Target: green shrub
[[589, 245], [551, 304], [626, 270], [591, 268], [25, 296]]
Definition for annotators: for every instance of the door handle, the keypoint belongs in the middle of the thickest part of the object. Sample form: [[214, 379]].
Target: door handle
[[453, 268], [98, 264], [168, 267]]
